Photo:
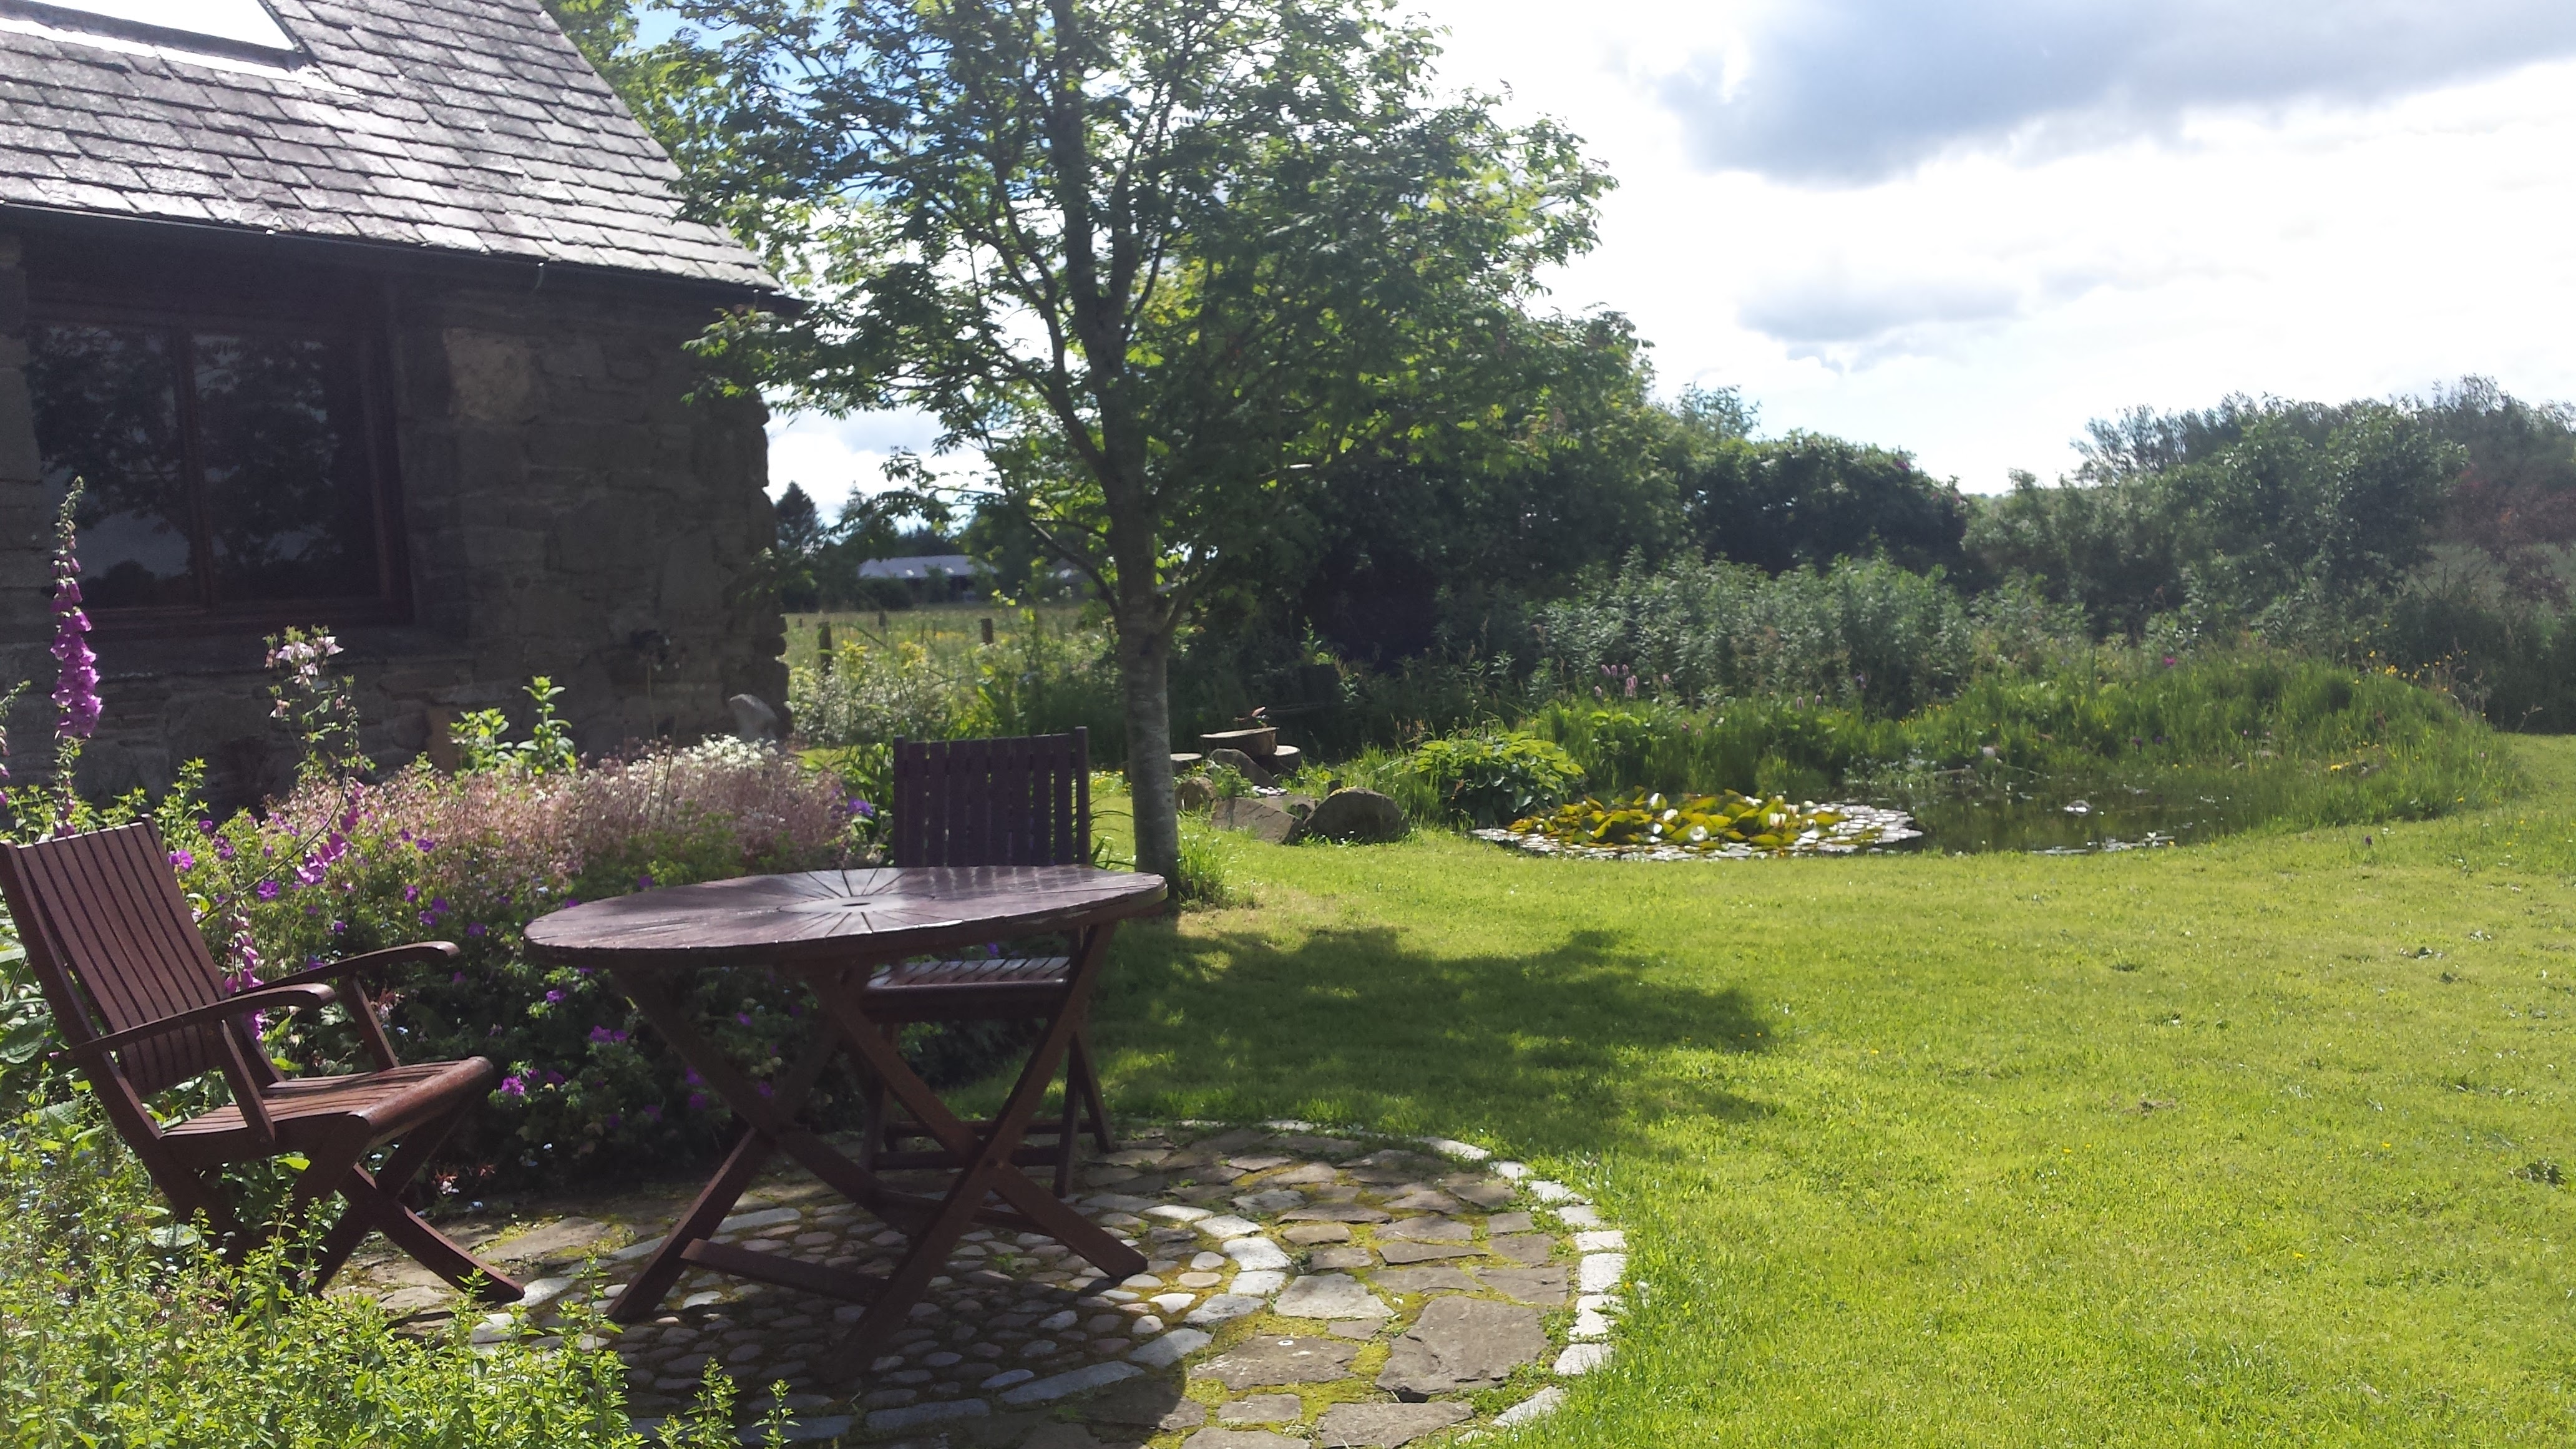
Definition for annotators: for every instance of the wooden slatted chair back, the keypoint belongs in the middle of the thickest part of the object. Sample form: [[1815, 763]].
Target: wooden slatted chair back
[[1019, 801], [113, 944]]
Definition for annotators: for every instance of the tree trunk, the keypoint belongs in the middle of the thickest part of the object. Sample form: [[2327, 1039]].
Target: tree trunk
[[1144, 677]]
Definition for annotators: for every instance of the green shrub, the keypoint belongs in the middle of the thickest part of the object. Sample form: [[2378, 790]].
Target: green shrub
[[1494, 779], [117, 1328]]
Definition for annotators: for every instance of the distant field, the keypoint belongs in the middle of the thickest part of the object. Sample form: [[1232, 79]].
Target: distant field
[[942, 629]]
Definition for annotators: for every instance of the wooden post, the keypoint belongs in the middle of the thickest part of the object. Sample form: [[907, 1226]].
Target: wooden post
[[988, 630], [823, 647]]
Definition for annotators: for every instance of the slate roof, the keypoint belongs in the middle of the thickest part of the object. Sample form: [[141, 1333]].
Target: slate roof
[[463, 125]]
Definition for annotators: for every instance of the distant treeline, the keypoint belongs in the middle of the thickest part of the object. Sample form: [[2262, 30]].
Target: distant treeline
[[1671, 540]]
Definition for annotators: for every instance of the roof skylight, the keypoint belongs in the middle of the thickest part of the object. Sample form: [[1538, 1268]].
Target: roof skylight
[[230, 24]]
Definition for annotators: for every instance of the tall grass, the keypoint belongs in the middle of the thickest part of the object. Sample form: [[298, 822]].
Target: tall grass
[[2295, 741], [1044, 674]]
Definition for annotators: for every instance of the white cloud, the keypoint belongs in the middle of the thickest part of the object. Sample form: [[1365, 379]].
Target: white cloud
[[1858, 90], [832, 458], [2341, 239]]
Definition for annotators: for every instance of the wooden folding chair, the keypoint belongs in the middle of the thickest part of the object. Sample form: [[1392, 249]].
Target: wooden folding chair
[[1019, 801], [141, 1006]]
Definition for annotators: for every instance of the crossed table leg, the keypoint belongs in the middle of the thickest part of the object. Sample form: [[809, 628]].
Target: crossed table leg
[[934, 1224]]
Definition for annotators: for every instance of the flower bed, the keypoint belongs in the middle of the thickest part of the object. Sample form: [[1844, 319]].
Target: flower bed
[[342, 866], [1725, 826]]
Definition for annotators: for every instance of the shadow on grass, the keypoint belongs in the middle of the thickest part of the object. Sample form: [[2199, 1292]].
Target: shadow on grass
[[1571, 1047]]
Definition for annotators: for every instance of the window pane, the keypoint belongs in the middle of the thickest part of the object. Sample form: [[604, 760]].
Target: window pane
[[288, 499], [107, 411]]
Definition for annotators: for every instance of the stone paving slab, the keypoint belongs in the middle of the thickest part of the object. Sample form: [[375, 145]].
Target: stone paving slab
[[1301, 1289]]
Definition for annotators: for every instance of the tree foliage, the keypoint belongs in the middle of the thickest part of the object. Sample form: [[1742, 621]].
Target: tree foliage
[[1804, 500], [1168, 265], [2260, 514]]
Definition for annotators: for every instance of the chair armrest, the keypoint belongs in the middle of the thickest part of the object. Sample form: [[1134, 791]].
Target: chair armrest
[[362, 1011], [417, 953], [299, 994]]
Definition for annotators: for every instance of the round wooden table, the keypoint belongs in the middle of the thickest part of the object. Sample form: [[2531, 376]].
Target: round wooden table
[[830, 930]]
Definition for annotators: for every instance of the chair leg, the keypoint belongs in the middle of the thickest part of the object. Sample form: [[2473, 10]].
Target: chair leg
[[375, 1201], [1078, 1057], [873, 1137], [1068, 1135]]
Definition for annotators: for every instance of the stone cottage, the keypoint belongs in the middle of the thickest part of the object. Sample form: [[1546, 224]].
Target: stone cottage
[[369, 314]]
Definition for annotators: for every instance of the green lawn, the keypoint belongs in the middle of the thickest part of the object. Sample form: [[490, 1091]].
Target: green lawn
[[2183, 1147]]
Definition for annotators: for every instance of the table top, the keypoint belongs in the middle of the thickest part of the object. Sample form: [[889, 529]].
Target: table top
[[838, 917]]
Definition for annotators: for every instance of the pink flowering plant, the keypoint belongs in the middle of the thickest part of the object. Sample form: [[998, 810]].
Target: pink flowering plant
[[345, 864]]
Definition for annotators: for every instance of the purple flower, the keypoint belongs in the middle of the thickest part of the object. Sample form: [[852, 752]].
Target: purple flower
[[652, 1111], [224, 849], [690, 1075], [862, 808], [613, 1121], [475, 929], [339, 928], [266, 890], [554, 998], [438, 904], [428, 918], [456, 980], [411, 894], [426, 844], [205, 827], [514, 1087], [744, 1018], [763, 1088], [183, 860], [644, 882], [697, 1101], [606, 1037], [76, 685]]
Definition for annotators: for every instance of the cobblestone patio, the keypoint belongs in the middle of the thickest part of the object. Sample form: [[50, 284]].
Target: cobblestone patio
[[1304, 1289]]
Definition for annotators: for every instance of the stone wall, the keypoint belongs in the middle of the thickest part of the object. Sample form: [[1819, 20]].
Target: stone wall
[[566, 510]]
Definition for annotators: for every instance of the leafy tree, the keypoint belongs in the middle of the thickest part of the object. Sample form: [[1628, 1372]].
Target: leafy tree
[[800, 523], [1167, 264], [1415, 554], [1808, 499], [2280, 515], [2515, 500]]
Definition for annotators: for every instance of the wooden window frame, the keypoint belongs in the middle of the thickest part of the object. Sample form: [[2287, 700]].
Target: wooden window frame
[[365, 341]]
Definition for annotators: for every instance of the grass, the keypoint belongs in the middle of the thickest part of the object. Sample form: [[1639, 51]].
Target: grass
[[2187, 1147]]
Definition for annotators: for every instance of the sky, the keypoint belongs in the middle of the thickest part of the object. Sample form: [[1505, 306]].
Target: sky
[[1965, 228]]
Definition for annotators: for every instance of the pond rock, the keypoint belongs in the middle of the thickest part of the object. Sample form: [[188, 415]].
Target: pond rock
[[1259, 818], [1238, 760], [1363, 816]]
